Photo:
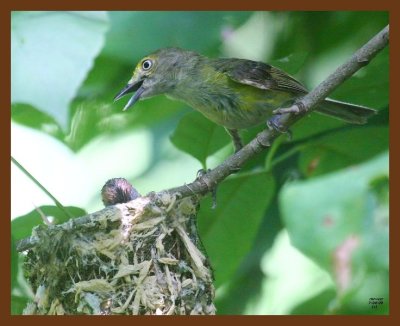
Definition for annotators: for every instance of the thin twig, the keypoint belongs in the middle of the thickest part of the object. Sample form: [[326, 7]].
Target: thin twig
[[48, 193]]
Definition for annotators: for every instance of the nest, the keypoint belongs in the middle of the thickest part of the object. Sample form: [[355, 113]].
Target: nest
[[141, 257]]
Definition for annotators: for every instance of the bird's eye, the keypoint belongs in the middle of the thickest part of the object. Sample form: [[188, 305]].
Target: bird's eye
[[147, 64]]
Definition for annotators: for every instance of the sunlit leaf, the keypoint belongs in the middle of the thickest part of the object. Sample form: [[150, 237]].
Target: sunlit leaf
[[52, 53]]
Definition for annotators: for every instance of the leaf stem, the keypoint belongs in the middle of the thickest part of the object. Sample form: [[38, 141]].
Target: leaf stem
[[36, 182]]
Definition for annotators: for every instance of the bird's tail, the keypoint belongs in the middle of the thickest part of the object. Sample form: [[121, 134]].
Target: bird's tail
[[350, 113]]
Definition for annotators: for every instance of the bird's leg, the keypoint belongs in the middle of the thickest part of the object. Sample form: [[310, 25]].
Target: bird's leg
[[237, 141]]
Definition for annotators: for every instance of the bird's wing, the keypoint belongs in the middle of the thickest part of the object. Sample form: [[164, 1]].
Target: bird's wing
[[258, 74]]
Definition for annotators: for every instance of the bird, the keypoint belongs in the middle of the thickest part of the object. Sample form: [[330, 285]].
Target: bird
[[234, 93]]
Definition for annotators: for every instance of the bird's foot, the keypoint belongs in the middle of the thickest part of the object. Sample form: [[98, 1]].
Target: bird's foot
[[275, 124], [296, 108], [237, 141]]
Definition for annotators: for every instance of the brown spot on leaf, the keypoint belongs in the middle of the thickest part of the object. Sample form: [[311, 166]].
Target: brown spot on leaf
[[313, 165]]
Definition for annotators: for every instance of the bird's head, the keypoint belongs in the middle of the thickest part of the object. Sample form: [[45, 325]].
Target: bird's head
[[157, 73]]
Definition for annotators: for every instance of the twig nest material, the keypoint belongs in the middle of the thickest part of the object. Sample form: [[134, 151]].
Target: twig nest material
[[141, 257]]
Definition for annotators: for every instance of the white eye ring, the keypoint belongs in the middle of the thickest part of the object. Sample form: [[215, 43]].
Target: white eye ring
[[147, 64]]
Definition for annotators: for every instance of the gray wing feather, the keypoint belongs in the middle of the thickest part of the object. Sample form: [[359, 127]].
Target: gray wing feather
[[258, 74]]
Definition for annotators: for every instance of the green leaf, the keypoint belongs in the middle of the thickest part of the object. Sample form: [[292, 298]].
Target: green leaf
[[308, 30], [14, 263], [229, 230], [52, 53], [317, 305], [343, 215], [88, 121], [292, 63], [21, 227], [29, 116], [289, 279], [314, 124], [343, 148], [370, 86], [198, 136], [18, 304]]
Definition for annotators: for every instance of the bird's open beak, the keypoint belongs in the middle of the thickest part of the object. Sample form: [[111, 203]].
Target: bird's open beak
[[131, 87]]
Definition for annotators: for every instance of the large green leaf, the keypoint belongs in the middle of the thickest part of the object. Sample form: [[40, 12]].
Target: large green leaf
[[229, 230], [341, 221], [52, 53], [309, 30], [135, 34], [291, 63], [343, 148], [370, 86], [198, 136]]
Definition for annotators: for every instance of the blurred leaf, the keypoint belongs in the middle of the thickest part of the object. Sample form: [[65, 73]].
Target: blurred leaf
[[373, 285], [229, 230], [101, 115], [18, 304], [370, 86], [308, 30], [93, 118], [341, 224], [292, 63], [380, 188], [21, 227], [289, 278], [198, 136], [246, 284], [343, 148], [29, 116], [52, 52], [135, 34], [314, 124], [88, 121], [14, 263], [317, 305], [153, 112], [105, 78]]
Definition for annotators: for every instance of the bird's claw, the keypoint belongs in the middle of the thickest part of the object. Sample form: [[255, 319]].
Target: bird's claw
[[274, 123], [296, 108]]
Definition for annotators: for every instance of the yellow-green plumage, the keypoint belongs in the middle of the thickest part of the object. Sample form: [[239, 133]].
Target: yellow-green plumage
[[235, 93]]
